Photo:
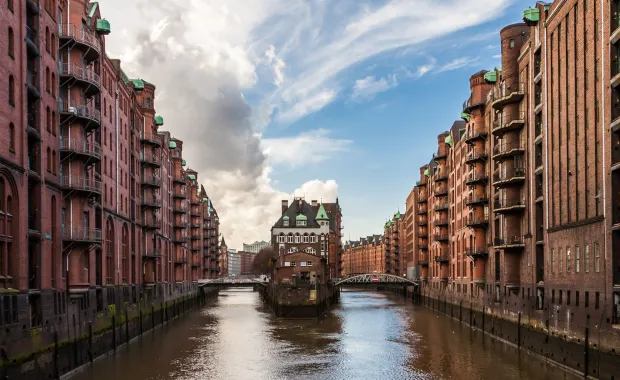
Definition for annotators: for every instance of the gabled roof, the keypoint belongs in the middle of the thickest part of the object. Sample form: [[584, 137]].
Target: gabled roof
[[293, 210], [321, 214]]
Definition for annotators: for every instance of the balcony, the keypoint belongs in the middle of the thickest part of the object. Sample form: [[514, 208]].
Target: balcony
[[180, 261], [422, 222], [82, 184], [422, 211], [513, 242], [423, 235], [195, 213], [440, 176], [196, 237], [470, 104], [506, 150], [422, 199], [477, 177], [33, 127], [151, 253], [473, 200], [180, 193], [512, 177], [442, 206], [506, 206], [179, 239], [423, 247], [441, 222], [80, 147], [423, 263], [32, 84], [150, 159], [477, 252], [150, 180], [151, 222], [87, 114], [150, 201], [83, 39], [421, 183], [444, 238], [475, 156], [508, 122], [179, 178], [507, 94], [32, 41], [81, 235], [195, 225], [442, 259], [478, 221], [195, 201], [440, 155], [150, 138], [471, 137], [179, 224], [443, 192], [89, 80]]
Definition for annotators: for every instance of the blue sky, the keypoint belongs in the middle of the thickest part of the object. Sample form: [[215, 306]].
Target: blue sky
[[308, 97]]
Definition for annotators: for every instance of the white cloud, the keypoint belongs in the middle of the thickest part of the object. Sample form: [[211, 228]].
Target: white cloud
[[497, 56], [458, 63], [426, 68], [307, 105], [308, 147], [367, 88], [277, 64]]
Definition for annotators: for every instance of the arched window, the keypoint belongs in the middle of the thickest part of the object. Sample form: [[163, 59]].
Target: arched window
[[12, 137], [48, 79], [54, 47], [54, 166], [297, 238], [54, 123], [48, 114], [54, 85], [9, 205], [305, 238], [10, 5], [290, 238], [11, 90], [105, 193], [11, 43], [47, 39], [49, 159]]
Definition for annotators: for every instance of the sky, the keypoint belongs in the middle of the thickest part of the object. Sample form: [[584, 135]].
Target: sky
[[312, 98]]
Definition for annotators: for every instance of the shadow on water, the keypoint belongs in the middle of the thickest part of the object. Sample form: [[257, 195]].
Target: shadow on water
[[369, 335]]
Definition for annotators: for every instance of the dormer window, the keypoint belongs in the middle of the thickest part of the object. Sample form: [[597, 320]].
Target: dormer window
[[301, 223], [301, 220], [285, 221]]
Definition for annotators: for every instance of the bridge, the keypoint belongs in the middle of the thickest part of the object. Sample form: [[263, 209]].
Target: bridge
[[231, 282], [375, 279]]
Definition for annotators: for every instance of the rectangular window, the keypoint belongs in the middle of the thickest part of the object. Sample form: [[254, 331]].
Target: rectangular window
[[552, 260], [577, 259], [586, 258], [577, 298], [309, 263], [567, 259], [586, 299], [559, 260], [596, 258], [568, 297], [560, 298], [597, 297], [552, 295]]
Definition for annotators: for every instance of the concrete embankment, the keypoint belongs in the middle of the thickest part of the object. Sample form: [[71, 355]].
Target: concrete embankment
[[305, 301]]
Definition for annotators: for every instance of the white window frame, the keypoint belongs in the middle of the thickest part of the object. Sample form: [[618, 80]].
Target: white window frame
[[290, 238]]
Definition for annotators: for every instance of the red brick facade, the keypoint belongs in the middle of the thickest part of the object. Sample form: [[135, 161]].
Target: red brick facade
[[364, 256], [527, 225], [94, 197]]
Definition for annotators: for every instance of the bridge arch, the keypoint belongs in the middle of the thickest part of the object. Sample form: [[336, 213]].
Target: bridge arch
[[376, 278]]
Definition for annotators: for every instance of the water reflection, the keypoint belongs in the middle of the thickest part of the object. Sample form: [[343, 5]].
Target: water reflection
[[367, 336]]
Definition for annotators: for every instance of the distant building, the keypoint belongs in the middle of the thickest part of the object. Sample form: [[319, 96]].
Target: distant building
[[234, 263], [223, 260], [364, 256], [246, 258], [255, 247]]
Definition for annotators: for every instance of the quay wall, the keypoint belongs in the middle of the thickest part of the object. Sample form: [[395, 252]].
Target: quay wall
[[288, 301], [54, 351]]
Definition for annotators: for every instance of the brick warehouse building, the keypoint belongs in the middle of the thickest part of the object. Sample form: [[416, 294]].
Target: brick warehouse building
[[527, 224], [97, 207], [367, 255], [311, 228], [394, 242]]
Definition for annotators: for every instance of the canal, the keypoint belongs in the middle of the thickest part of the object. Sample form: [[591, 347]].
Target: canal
[[369, 335]]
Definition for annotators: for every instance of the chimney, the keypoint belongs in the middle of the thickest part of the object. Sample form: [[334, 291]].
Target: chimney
[[284, 206], [315, 203]]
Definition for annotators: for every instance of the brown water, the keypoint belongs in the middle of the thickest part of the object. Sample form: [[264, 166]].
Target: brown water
[[368, 335]]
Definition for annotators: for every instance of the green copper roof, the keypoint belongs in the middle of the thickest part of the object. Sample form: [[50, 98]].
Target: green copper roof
[[159, 120], [172, 145], [217, 219], [183, 162], [397, 215], [93, 7], [465, 116], [531, 15], [490, 76], [321, 214], [102, 26], [427, 173], [205, 199], [448, 140], [138, 84], [285, 217], [301, 217], [192, 177]]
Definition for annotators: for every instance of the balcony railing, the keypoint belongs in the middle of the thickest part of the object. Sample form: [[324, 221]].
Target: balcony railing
[[151, 201], [150, 138], [81, 234], [180, 208], [85, 112], [475, 199], [150, 159], [151, 180], [179, 178], [440, 176], [85, 74], [421, 183], [80, 146], [442, 206], [180, 193], [476, 177], [422, 210], [422, 199], [506, 149], [151, 222], [506, 94], [152, 253], [512, 241], [475, 135], [79, 34], [508, 121], [442, 259], [75, 182], [442, 237], [477, 252], [477, 221], [441, 192], [504, 204], [514, 175]]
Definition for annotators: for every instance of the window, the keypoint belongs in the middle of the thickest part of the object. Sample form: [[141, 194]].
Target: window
[[285, 222], [47, 39], [297, 237], [54, 47], [577, 259], [568, 297], [48, 115], [148, 102], [512, 44], [567, 259], [305, 238], [577, 298], [290, 238], [552, 260], [49, 159], [12, 137], [308, 263], [586, 258], [10, 5], [54, 85], [596, 258], [559, 260], [48, 78], [11, 43], [11, 90], [597, 297], [586, 299], [54, 123], [54, 161]]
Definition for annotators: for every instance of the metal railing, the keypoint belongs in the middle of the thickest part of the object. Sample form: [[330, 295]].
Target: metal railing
[[32, 79], [512, 240], [81, 234], [442, 258], [80, 111], [150, 201], [151, 180], [149, 158], [150, 221], [504, 120], [80, 183], [441, 237], [475, 135], [477, 176], [476, 154], [509, 174], [477, 251], [31, 34], [477, 220], [86, 74], [152, 138], [504, 91], [506, 203], [180, 192], [80, 146], [79, 34], [442, 206], [504, 147], [477, 199]]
